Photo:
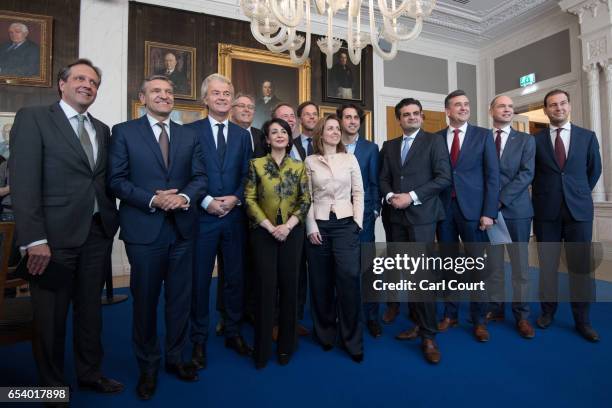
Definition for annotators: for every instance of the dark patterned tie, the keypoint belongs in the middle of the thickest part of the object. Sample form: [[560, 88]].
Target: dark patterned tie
[[560, 150], [309, 149], [454, 155], [164, 142], [221, 145], [86, 141]]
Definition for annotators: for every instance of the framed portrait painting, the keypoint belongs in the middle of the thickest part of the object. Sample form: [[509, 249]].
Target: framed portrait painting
[[269, 77], [25, 49], [181, 114], [345, 80], [6, 123], [177, 62], [365, 130]]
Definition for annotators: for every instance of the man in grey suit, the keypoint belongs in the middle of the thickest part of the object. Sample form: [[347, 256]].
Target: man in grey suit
[[415, 170], [64, 214], [516, 152]]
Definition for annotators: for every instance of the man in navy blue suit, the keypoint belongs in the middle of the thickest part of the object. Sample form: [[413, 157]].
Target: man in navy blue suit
[[366, 153], [155, 169], [227, 150], [516, 152], [471, 201], [567, 167]]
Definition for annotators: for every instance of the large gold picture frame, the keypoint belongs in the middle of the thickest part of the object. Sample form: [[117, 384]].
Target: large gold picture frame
[[291, 81]]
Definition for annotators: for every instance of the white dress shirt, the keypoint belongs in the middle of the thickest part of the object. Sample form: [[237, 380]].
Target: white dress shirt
[[450, 135], [504, 137], [157, 131], [565, 136], [413, 195]]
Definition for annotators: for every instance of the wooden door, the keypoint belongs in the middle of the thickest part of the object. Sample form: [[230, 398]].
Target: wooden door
[[432, 122]]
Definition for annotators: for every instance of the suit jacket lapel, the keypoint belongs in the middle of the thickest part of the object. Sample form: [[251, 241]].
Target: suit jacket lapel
[[359, 149], [510, 142], [100, 162], [206, 128], [298, 145], [175, 143], [66, 130], [232, 143], [465, 146], [416, 145], [149, 138], [572, 143], [549, 147]]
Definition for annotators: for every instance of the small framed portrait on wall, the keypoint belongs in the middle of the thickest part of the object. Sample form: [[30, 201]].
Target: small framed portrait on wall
[[177, 62], [344, 81]]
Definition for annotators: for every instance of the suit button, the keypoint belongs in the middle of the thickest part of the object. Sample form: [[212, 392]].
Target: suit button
[[401, 177]]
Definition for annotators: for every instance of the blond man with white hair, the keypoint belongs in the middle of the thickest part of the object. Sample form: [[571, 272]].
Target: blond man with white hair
[[226, 151]]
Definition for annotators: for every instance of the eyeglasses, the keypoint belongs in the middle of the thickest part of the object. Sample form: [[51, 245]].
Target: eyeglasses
[[242, 106]]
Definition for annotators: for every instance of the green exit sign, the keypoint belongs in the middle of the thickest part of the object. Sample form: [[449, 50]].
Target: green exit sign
[[527, 80]]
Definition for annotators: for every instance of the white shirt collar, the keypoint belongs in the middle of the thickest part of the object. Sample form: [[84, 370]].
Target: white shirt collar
[[214, 122], [505, 130], [462, 128], [567, 127], [70, 112], [412, 135], [153, 122]]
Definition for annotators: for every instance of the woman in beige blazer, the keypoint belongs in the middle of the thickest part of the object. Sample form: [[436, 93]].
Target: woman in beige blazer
[[333, 224]]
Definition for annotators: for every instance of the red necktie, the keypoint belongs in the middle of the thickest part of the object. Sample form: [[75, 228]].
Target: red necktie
[[559, 150], [454, 153], [498, 143]]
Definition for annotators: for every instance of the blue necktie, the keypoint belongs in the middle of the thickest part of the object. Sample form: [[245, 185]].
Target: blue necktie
[[406, 148], [220, 141]]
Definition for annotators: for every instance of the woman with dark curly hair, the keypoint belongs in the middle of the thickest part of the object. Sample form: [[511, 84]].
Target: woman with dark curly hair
[[277, 201]]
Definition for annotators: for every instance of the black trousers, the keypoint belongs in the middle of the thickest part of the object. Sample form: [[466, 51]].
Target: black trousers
[[423, 313], [276, 271], [335, 285], [51, 308], [168, 261], [577, 235]]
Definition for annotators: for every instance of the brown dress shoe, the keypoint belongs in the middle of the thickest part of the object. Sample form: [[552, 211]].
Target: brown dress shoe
[[275, 333], [409, 334], [302, 331], [481, 333], [447, 323], [390, 313], [430, 351], [525, 329]]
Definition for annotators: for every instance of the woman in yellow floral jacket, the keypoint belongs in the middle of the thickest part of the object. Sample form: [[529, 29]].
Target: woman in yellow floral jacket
[[277, 201]]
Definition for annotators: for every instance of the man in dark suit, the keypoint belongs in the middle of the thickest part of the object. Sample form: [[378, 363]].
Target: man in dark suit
[[366, 153], [265, 104], [516, 152], [415, 170], [472, 200], [567, 167], [227, 151], [243, 111], [63, 213], [155, 169], [19, 56]]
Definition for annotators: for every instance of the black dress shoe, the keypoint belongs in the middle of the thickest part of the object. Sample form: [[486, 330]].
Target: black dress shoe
[[358, 358], [103, 386], [544, 321], [198, 356], [588, 333], [146, 386], [374, 328], [283, 358], [183, 371], [238, 344]]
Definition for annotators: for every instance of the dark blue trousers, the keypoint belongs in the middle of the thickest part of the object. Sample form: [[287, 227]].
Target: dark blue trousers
[[227, 235], [168, 260], [518, 251], [453, 227]]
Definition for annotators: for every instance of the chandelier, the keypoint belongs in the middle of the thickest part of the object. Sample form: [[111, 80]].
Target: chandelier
[[274, 24]]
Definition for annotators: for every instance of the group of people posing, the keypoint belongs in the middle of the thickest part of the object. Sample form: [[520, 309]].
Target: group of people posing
[[279, 209]]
